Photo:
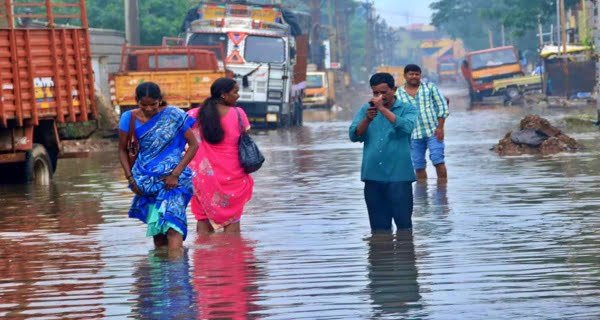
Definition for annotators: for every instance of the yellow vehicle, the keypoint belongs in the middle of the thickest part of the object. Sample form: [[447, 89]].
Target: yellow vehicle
[[184, 74], [396, 71], [514, 88], [481, 68], [320, 90]]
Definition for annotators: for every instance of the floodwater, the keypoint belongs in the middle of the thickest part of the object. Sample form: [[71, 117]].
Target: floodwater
[[504, 238]]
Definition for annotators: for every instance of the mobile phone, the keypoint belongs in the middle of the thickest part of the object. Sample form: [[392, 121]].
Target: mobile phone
[[371, 104]]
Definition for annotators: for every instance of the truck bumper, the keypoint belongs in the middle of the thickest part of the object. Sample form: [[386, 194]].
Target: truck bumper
[[314, 102], [262, 114]]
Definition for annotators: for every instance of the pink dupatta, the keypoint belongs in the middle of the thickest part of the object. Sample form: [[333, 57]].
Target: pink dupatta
[[221, 187]]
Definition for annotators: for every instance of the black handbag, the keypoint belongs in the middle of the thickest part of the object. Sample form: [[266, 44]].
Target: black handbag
[[250, 157]]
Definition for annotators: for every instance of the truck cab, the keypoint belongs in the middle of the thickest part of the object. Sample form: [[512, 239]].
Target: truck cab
[[481, 68], [184, 74], [320, 90], [266, 50]]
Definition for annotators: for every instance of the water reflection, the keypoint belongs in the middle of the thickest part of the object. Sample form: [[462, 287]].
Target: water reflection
[[163, 287], [392, 272], [48, 259], [225, 274]]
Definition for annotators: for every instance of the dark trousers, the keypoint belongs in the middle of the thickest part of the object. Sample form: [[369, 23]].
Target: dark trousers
[[387, 201]]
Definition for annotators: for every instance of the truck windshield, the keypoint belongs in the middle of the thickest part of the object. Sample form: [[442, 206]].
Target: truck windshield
[[314, 81], [210, 39], [173, 61], [493, 59], [264, 49]]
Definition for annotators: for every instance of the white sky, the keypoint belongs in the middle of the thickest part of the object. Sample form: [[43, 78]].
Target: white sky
[[395, 11]]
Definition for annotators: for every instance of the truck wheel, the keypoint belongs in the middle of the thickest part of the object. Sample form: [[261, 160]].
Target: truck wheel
[[38, 166], [512, 94], [475, 97]]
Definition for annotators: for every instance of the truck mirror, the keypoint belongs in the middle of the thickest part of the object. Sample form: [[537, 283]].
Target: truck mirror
[[292, 53]]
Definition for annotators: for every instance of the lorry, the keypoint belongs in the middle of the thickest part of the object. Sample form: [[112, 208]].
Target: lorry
[[46, 79], [434, 51], [266, 49], [396, 71], [447, 70], [481, 68], [184, 74], [320, 89]]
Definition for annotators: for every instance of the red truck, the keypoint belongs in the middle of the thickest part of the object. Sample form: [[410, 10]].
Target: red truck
[[46, 79]]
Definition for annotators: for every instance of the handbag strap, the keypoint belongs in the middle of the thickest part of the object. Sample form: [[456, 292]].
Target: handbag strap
[[242, 129], [130, 133]]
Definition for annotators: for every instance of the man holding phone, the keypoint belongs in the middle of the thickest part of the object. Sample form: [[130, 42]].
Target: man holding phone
[[385, 125]]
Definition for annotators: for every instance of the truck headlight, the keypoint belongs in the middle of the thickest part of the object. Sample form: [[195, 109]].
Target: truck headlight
[[272, 108], [271, 117], [274, 95]]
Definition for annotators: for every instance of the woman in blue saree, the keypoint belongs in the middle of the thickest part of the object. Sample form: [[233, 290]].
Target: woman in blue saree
[[159, 177]]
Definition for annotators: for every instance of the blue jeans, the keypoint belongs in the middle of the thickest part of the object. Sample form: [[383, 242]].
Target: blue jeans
[[418, 148], [387, 201]]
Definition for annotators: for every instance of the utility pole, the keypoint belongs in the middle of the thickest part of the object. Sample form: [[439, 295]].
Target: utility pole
[[315, 34], [491, 37], [368, 4], [558, 24], [332, 31], [596, 11], [503, 35], [132, 22], [563, 29]]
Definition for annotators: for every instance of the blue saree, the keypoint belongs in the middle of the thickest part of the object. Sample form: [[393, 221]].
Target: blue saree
[[161, 147]]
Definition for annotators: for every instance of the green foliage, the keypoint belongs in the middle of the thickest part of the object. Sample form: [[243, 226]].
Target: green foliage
[[471, 19], [158, 18]]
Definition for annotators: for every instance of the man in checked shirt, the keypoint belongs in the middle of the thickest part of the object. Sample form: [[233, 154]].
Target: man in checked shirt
[[429, 129]]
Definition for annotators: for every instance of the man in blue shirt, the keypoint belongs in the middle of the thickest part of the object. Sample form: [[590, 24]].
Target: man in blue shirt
[[385, 125]]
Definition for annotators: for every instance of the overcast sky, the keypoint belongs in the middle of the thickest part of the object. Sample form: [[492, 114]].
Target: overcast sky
[[395, 12]]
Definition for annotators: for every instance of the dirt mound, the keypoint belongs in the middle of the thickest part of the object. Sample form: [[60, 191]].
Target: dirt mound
[[536, 136]]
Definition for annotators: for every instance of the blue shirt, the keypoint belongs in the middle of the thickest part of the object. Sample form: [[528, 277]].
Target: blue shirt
[[386, 150], [125, 120]]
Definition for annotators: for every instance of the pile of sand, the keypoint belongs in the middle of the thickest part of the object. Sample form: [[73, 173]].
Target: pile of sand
[[540, 138]]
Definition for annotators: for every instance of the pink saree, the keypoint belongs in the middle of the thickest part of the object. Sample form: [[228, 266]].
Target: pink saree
[[221, 187]]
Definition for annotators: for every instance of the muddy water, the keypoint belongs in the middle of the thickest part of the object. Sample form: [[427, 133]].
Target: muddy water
[[504, 238]]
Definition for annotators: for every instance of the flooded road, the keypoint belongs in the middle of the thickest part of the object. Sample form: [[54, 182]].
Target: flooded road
[[504, 238]]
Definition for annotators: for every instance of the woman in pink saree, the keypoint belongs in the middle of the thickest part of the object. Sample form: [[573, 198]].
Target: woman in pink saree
[[221, 187]]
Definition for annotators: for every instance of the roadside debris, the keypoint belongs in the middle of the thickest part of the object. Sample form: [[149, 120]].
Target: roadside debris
[[536, 136]]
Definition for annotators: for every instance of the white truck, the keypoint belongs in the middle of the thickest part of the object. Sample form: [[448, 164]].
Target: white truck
[[264, 49]]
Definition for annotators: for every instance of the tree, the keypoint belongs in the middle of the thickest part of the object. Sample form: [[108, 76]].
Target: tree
[[158, 18], [471, 19]]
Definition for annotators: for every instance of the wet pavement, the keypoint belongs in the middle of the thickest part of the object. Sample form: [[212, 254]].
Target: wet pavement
[[504, 238]]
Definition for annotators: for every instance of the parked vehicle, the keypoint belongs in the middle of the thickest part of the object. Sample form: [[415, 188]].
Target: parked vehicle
[[513, 88], [46, 79], [266, 49], [320, 89], [184, 74], [396, 71], [447, 70], [481, 68]]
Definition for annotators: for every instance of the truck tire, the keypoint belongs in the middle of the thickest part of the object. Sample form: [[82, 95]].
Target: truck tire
[[512, 94], [475, 97], [38, 167]]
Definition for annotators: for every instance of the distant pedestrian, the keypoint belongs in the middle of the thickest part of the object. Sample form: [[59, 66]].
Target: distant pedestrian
[[221, 186], [385, 125], [429, 129], [159, 177]]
